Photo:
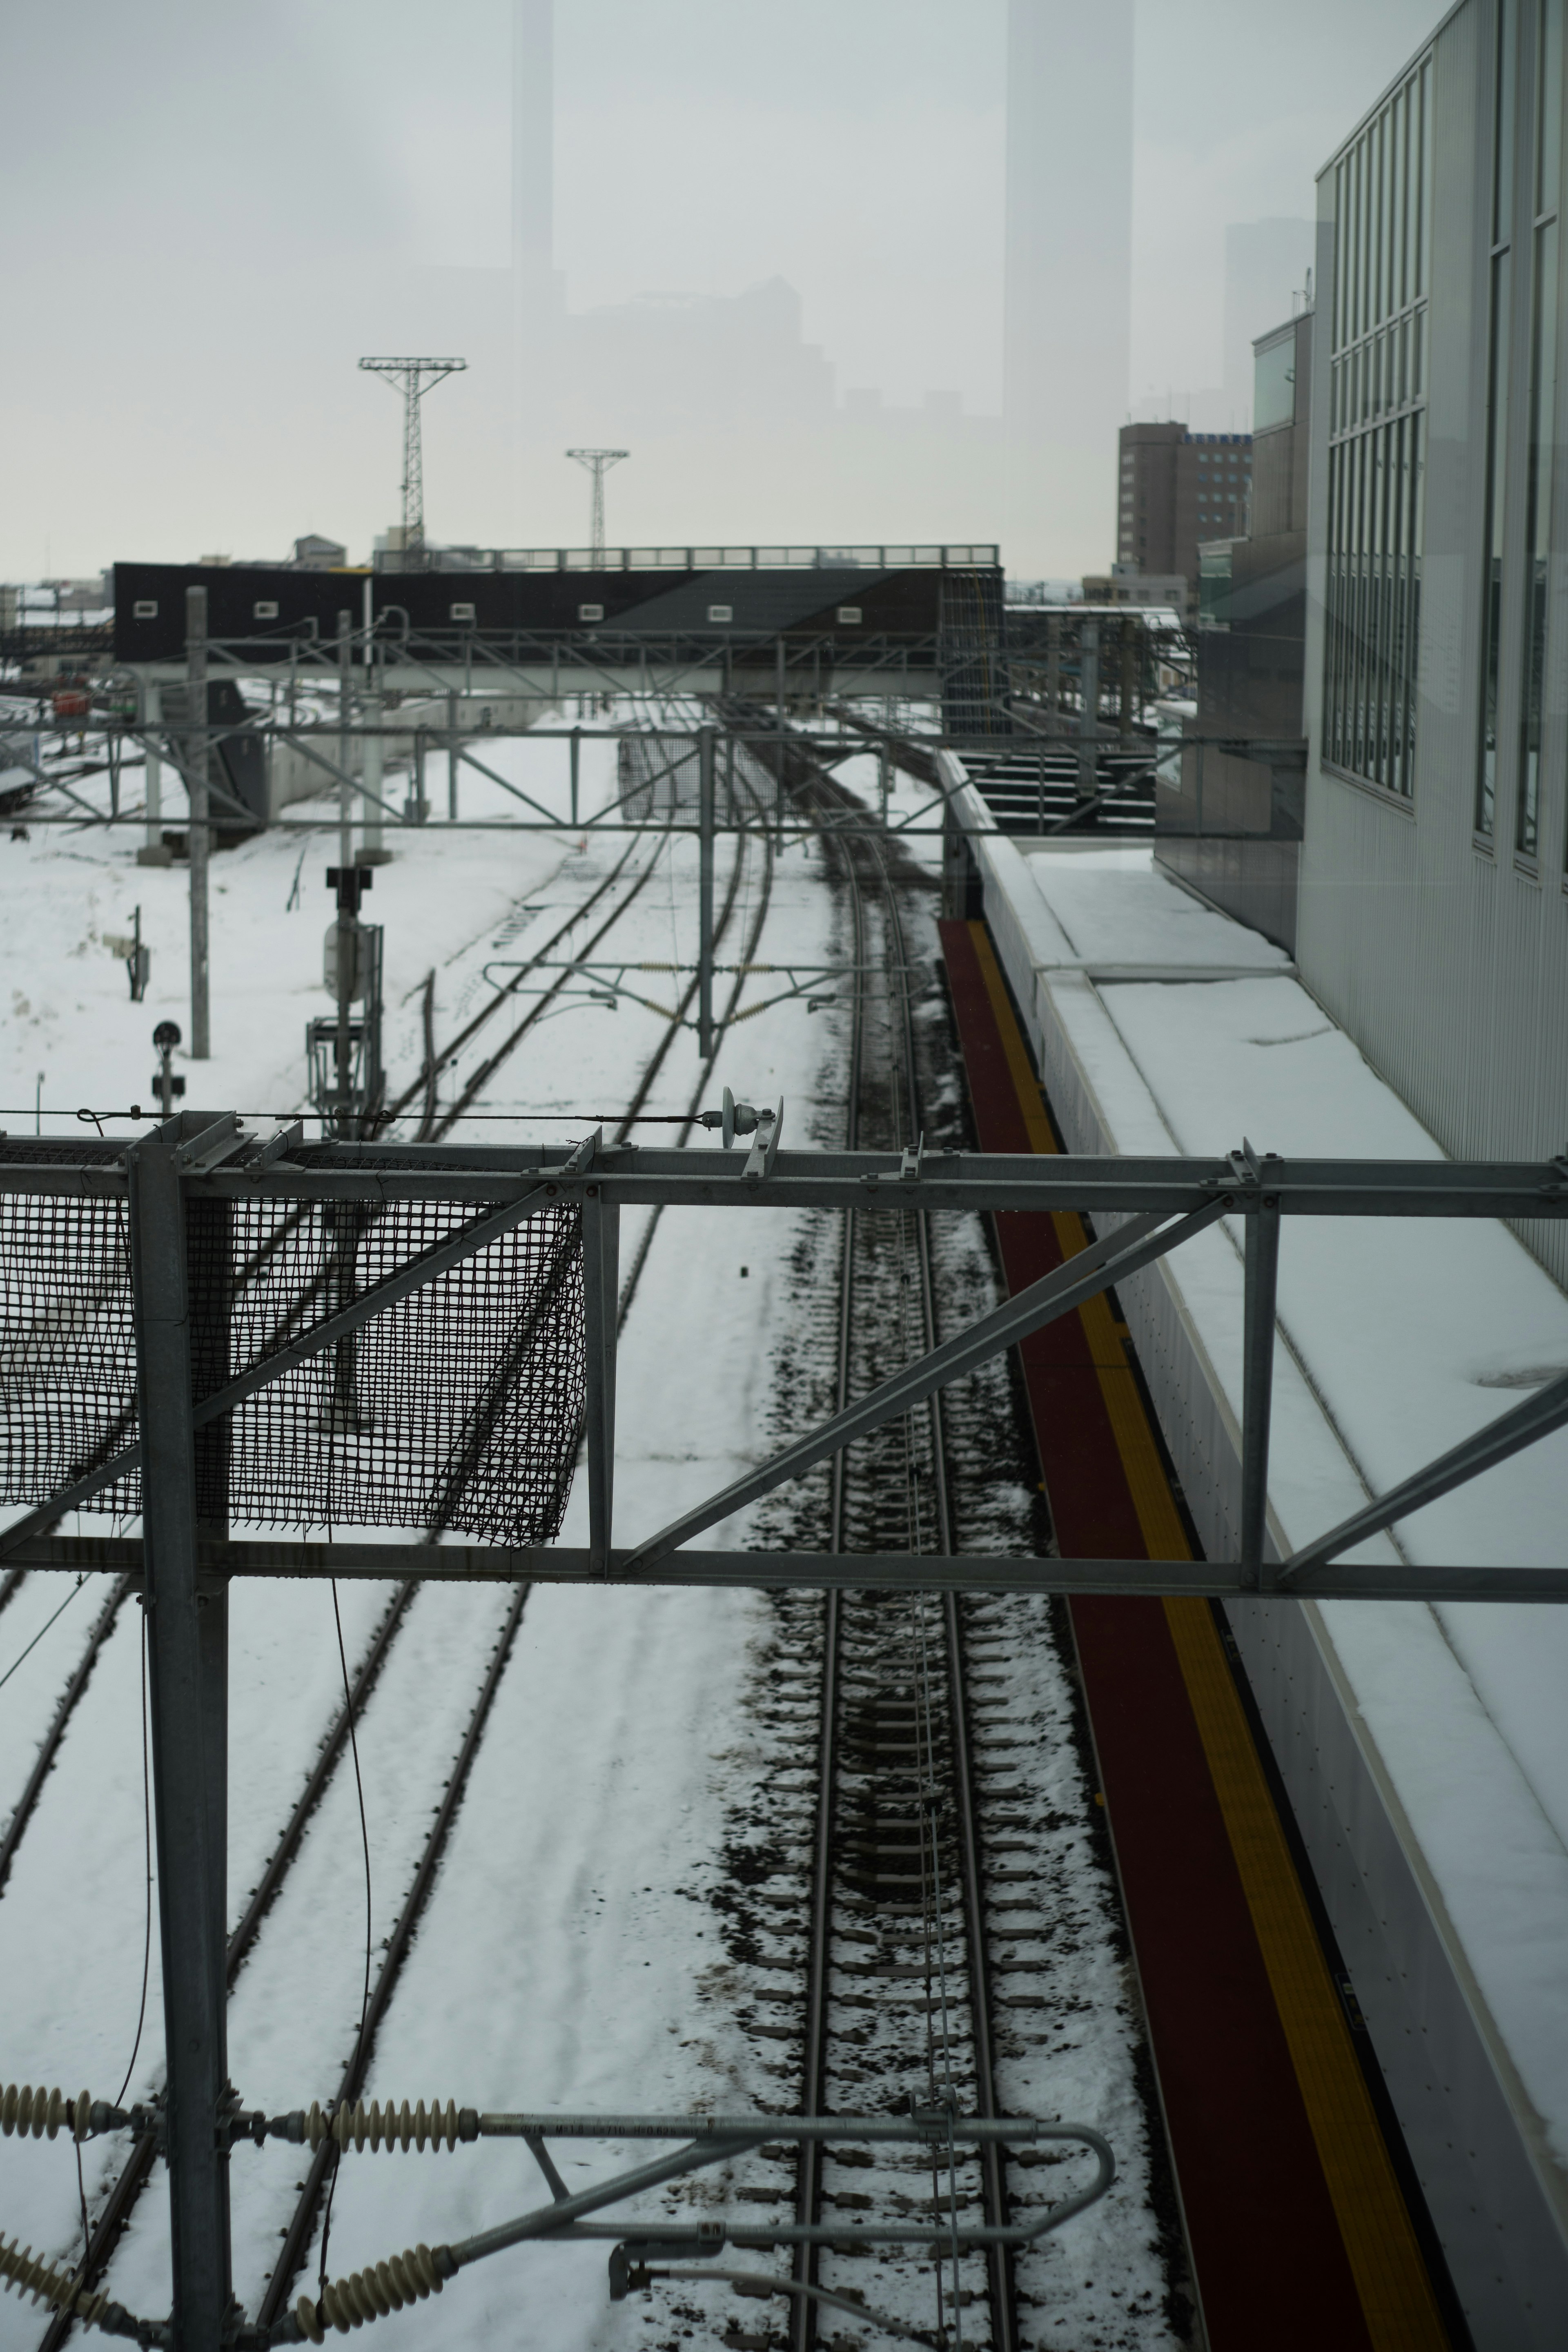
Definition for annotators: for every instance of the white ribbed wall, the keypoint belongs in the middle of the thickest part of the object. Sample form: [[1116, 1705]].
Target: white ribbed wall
[[1449, 967]]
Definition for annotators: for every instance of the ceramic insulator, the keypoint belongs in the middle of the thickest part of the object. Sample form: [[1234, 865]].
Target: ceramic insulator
[[371, 2294]]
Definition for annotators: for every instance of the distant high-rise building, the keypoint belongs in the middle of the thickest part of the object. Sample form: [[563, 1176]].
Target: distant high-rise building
[[1265, 263], [1176, 489], [1068, 258], [533, 141]]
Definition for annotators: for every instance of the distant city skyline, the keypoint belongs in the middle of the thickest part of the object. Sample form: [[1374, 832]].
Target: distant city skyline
[[234, 207]]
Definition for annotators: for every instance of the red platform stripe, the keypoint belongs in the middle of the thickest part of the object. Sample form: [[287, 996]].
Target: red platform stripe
[[1270, 2262]]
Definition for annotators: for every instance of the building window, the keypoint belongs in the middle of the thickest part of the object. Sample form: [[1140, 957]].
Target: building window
[[1382, 208], [145, 608], [1548, 159], [264, 609], [461, 612], [590, 611]]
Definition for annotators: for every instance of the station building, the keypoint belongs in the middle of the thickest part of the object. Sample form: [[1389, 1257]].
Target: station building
[[1433, 919], [1417, 483]]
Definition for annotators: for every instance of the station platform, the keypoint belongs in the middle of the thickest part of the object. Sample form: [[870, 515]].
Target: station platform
[[1409, 1764]]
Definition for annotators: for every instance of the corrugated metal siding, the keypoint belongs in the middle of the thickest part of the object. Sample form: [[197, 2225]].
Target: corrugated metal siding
[[1448, 965]]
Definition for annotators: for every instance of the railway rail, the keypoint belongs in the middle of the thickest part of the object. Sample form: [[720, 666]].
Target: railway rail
[[115, 2214], [891, 1947], [902, 1863], [302, 2226]]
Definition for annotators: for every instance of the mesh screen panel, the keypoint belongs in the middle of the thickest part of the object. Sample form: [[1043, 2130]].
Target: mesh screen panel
[[458, 1407], [68, 1353]]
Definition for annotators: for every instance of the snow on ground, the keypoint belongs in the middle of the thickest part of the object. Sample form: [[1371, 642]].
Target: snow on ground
[[569, 1958], [1398, 1338]]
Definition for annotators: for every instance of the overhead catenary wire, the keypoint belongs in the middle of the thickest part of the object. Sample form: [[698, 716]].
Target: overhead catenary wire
[[364, 1841], [23, 1655], [297, 2237], [127, 2188]]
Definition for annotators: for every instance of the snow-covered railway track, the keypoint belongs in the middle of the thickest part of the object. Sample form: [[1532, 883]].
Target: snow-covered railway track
[[116, 2212], [920, 1905], [875, 1969], [434, 1128], [896, 1942]]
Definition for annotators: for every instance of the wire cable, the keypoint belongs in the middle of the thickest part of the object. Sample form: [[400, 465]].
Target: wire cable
[[364, 2001], [43, 1629], [147, 1850]]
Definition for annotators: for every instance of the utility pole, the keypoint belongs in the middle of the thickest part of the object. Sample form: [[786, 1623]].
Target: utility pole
[[152, 852], [372, 848], [705, 779], [1088, 705], [414, 378], [198, 838], [344, 871], [186, 1678], [598, 463], [452, 751]]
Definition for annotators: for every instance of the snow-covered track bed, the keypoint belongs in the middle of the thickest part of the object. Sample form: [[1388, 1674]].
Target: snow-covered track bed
[[431, 1763], [919, 1909]]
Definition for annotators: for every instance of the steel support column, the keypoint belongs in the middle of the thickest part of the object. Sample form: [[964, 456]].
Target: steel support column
[[187, 1660], [705, 765], [343, 1054], [601, 1297], [198, 838], [1089, 706], [452, 757], [373, 850], [152, 852], [1262, 1264]]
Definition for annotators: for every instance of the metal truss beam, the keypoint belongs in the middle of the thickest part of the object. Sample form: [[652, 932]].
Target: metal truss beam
[[1106, 1262], [1537, 1417], [768, 1572], [703, 1177], [1172, 1199]]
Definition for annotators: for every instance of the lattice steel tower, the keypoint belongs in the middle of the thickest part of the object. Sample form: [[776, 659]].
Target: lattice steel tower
[[415, 377], [598, 462]]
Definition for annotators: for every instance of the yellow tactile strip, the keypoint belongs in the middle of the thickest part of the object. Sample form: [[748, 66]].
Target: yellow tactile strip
[[1391, 2278]]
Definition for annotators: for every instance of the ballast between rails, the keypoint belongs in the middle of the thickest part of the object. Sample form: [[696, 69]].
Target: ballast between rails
[[853, 1633]]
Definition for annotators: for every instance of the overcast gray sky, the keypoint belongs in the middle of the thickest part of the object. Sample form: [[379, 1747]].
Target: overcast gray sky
[[206, 204]]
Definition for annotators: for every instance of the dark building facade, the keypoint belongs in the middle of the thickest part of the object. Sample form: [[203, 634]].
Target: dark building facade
[[1233, 826], [1175, 490]]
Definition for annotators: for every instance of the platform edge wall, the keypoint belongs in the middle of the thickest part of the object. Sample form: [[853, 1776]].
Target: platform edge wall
[[1468, 2123]]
